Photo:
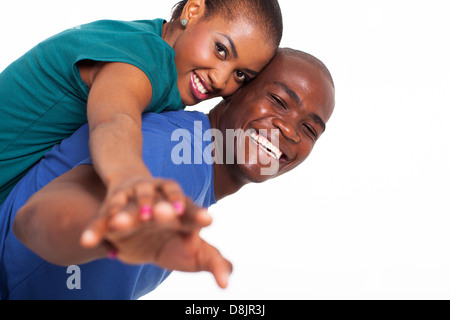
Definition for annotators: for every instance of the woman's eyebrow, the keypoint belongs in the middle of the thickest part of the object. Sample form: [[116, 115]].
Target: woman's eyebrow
[[252, 72], [235, 53], [233, 47]]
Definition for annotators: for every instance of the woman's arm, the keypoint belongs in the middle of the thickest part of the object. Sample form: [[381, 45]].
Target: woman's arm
[[119, 93]]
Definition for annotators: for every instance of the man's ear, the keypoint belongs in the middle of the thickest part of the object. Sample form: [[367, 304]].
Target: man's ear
[[193, 10]]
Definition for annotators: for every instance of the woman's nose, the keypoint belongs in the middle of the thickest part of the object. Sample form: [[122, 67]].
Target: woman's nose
[[287, 130], [219, 79]]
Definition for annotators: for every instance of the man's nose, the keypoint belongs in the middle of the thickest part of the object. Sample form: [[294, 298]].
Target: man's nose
[[288, 130]]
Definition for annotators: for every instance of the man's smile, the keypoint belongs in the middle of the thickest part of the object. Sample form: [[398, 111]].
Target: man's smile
[[270, 146], [266, 145]]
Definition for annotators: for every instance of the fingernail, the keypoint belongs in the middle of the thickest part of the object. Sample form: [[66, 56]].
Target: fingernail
[[112, 255], [178, 206], [146, 212], [224, 280]]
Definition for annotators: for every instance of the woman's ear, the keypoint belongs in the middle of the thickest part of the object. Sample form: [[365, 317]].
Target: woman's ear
[[193, 10]]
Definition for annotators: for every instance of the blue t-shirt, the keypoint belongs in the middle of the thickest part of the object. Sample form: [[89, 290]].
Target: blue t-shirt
[[173, 143], [44, 100]]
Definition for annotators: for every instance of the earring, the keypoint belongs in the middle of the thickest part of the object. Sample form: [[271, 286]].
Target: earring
[[184, 22]]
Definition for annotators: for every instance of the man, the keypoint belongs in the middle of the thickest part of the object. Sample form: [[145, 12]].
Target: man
[[275, 120]]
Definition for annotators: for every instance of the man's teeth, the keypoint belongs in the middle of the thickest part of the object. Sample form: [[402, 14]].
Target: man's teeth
[[266, 144], [199, 85]]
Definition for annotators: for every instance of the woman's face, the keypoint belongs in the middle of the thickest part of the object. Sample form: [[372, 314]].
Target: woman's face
[[215, 57]]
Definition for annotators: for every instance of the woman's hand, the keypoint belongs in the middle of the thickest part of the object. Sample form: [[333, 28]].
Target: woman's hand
[[139, 197]]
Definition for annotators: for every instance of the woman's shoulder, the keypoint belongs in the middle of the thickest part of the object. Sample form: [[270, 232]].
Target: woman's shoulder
[[151, 27]]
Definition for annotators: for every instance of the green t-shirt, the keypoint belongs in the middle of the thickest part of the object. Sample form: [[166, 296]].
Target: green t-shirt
[[43, 99]]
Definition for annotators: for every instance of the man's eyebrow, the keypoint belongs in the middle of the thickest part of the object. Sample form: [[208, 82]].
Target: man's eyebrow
[[233, 47], [294, 96], [291, 93], [318, 120]]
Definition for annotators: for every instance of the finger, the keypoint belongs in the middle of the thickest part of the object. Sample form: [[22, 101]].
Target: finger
[[123, 221], [195, 217], [164, 213], [203, 218], [98, 227], [129, 207], [211, 260], [95, 232], [222, 274], [137, 208], [145, 198], [173, 193], [114, 203]]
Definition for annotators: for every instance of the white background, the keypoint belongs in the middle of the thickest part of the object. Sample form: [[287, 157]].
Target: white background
[[367, 215]]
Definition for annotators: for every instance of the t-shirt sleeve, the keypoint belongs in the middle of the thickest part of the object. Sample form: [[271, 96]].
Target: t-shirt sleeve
[[86, 161], [127, 42], [147, 53]]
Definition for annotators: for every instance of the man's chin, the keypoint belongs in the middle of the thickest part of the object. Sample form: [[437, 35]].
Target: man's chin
[[258, 173]]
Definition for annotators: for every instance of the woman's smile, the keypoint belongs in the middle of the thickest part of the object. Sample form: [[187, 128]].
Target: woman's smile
[[199, 88]]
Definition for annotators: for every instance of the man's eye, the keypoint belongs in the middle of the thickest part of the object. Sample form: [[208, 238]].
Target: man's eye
[[279, 102], [221, 50], [310, 130]]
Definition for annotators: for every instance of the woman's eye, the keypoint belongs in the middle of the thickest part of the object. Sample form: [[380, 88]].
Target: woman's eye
[[221, 50], [242, 77]]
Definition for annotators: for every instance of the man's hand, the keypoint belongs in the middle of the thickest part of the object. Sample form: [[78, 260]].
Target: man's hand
[[160, 233]]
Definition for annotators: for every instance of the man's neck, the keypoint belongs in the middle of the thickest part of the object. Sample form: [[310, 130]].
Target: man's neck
[[227, 179]]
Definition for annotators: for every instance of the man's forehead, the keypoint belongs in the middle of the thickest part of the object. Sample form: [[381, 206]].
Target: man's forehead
[[293, 82], [286, 69], [299, 79]]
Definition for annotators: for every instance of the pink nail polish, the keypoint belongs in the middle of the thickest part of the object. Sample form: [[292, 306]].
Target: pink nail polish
[[178, 206], [146, 212], [112, 255]]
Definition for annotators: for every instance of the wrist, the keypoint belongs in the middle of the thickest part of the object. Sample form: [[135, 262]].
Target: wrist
[[110, 249], [127, 175]]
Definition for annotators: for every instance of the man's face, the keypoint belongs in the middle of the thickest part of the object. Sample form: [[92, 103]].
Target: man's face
[[291, 99]]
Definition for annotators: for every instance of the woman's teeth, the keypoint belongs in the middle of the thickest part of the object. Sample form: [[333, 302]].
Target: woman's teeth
[[271, 149], [199, 85]]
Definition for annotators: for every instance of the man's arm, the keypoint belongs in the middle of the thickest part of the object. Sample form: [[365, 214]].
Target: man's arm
[[53, 220]]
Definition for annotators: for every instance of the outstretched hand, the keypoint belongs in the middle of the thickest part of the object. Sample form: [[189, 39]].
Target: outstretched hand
[[165, 233], [136, 195]]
